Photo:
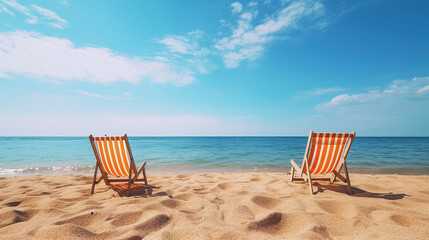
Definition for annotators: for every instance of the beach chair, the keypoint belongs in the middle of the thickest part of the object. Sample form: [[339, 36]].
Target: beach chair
[[324, 158], [114, 158]]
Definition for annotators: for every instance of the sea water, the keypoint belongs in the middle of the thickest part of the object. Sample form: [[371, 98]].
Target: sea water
[[73, 155]]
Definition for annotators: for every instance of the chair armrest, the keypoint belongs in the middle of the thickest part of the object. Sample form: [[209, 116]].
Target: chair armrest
[[140, 170], [294, 165]]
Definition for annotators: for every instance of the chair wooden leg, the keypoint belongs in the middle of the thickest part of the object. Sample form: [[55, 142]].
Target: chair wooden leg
[[309, 182], [95, 178], [338, 175], [140, 170], [129, 182], [144, 176], [311, 185], [349, 186], [292, 173], [308, 176], [335, 176], [128, 190]]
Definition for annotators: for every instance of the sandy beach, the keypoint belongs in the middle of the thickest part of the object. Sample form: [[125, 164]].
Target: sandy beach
[[215, 206]]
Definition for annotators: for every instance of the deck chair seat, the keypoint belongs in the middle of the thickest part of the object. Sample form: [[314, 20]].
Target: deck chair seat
[[115, 160], [324, 157]]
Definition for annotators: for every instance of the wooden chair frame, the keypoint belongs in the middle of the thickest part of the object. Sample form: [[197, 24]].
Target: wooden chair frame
[[104, 176], [297, 173]]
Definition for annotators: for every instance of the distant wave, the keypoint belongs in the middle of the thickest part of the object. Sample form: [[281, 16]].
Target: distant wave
[[188, 169], [7, 172], [168, 168]]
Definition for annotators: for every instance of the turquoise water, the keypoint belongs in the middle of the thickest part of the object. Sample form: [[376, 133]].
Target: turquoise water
[[73, 155]]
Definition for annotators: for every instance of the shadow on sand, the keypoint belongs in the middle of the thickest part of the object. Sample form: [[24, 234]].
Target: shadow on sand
[[138, 190], [357, 192]]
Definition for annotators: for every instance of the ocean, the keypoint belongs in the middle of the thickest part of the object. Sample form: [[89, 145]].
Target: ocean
[[21, 156]]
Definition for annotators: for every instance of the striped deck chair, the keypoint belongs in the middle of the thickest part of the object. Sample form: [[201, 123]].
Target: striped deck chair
[[325, 154], [114, 158]]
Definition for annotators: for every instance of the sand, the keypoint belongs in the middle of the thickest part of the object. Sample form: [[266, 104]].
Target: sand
[[215, 206]]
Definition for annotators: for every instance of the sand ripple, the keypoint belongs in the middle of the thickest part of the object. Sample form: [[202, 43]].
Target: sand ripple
[[215, 206]]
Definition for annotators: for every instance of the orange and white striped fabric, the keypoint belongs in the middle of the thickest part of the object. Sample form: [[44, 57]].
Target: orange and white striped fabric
[[326, 151], [114, 155]]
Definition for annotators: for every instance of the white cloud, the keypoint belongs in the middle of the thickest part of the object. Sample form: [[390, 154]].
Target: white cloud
[[49, 97], [253, 4], [247, 42], [96, 95], [56, 25], [267, 2], [233, 59], [236, 7], [175, 45], [60, 23], [423, 90], [4, 75], [35, 55], [393, 110], [317, 92], [162, 59], [65, 2], [396, 89], [42, 13], [13, 4], [3, 9], [189, 51], [344, 99], [32, 20], [188, 44]]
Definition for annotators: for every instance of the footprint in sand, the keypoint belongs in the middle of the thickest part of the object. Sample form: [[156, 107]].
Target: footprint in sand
[[402, 220], [182, 177], [238, 215], [344, 209], [224, 186], [271, 223], [153, 224], [170, 203], [83, 220], [135, 238], [40, 194], [217, 201], [15, 216], [184, 196], [20, 216], [313, 232], [265, 202], [13, 204], [125, 218], [71, 230], [244, 211]]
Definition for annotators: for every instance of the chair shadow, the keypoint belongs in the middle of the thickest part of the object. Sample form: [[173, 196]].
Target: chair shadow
[[357, 192], [138, 190]]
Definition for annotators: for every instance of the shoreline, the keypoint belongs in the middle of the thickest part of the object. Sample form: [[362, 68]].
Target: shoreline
[[249, 205], [185, 170]]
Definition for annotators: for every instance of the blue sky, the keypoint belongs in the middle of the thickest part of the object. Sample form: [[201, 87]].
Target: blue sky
[[214, 68]]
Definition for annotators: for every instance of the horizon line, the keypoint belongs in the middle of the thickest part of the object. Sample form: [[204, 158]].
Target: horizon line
[[199, 136]]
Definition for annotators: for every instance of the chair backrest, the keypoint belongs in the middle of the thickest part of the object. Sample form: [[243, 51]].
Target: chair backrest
[[114, 154], [326, 151]]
